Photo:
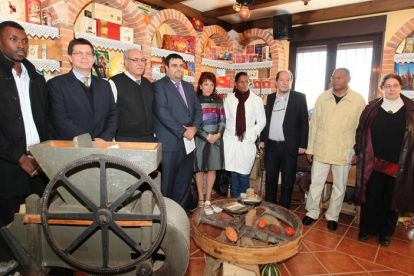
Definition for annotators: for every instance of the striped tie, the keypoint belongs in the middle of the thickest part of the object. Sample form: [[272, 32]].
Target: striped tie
[[85, 81]]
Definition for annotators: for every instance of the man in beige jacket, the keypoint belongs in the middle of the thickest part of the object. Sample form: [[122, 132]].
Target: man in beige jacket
[[331, 137]]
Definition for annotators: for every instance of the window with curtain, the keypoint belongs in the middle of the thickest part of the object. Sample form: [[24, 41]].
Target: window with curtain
[[315, 51], [310, 72], [357, 57]]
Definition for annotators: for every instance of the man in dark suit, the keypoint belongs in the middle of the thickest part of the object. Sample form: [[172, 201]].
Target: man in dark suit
[[23, 109], [284, 137], [80, 102], [177, 117], [134, 96]]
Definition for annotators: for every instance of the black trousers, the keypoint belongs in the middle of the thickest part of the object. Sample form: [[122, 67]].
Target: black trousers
[[278, 157], [8, 207], [376, 214], [177, 169]]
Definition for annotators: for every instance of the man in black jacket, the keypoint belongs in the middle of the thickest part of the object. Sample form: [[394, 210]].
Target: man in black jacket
[[23, 109], [80, 102], [133, 96], [284, 137]]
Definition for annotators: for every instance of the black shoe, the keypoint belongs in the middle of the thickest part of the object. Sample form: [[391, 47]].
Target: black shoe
[[363, 237], [307, 220], [332, 225], [385, 241]]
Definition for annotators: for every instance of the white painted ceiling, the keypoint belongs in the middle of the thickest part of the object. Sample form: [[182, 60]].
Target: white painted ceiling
[[295, 7]]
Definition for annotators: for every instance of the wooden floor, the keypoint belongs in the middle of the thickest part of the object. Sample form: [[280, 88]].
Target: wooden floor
[[339, 252]]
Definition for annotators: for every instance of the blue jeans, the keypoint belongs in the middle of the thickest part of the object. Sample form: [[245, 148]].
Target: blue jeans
[[239, 183]]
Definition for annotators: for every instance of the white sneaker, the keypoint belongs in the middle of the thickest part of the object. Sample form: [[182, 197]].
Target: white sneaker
[[6, 267]]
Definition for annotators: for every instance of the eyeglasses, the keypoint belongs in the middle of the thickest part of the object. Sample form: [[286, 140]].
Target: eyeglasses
[[337, 78], [82, 54], [137, 60], [389, 86]]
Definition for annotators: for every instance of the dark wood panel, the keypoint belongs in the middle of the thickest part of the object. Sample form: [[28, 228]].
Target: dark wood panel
[[187, 11], [365, 8], [174, 1], [258, 4], [353, 27]]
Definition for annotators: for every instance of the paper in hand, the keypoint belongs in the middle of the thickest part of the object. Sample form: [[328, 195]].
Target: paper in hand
[[189, 145]]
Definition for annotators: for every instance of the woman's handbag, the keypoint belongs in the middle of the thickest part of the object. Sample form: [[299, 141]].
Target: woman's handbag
[[222, 183], [192, 200]]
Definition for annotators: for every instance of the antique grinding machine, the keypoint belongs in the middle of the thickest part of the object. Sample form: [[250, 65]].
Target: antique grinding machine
[[102, 212]]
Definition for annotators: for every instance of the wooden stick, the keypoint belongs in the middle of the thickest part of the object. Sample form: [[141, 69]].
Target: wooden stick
[[124, 223]]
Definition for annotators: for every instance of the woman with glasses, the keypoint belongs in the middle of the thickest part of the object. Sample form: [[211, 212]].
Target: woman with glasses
[[245, 121], [385, 161], [209, 145]]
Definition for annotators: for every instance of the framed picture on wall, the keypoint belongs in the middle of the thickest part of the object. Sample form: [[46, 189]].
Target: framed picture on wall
[[406, 72], [100, 71]]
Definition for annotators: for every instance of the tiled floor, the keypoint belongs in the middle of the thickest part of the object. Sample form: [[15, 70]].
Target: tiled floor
[[326, 252]]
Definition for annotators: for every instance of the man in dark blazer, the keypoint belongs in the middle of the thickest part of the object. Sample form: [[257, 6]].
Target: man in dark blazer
[[177, 116], [134, 96], [24, 122], [80, 102], [284, 137]]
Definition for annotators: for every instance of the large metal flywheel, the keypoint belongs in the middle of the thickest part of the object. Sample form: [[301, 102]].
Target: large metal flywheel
[[108, 214]]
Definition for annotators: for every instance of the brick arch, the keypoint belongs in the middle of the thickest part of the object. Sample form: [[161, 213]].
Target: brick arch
[[217, 33], [276, 49], [391, 47], [220, 38], [177, 20]]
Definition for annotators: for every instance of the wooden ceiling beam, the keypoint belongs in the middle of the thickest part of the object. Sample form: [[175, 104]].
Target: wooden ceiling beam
[[359, 9], [187, 11], [258, 4], [174, 1]]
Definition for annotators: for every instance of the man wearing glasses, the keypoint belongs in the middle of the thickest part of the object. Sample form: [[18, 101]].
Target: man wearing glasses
[[284, 137], [80, 102], [177, 117], [133, 96], [331, 140]]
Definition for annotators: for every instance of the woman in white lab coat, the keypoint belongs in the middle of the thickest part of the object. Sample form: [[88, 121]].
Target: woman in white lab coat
[[245, 120]]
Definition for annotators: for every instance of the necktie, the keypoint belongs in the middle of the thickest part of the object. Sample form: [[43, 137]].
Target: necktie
[[85, 81], [180, 89], [138, 82]]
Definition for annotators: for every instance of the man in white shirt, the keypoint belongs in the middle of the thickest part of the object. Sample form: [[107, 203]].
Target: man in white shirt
[[23, 108]]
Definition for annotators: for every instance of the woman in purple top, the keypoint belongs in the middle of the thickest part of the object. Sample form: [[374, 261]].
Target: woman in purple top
[[209, 155]]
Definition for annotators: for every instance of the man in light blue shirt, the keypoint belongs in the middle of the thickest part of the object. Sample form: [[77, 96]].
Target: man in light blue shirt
[[80, 102]]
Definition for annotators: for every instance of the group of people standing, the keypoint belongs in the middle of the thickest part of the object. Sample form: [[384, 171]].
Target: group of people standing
[[130, 108]]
